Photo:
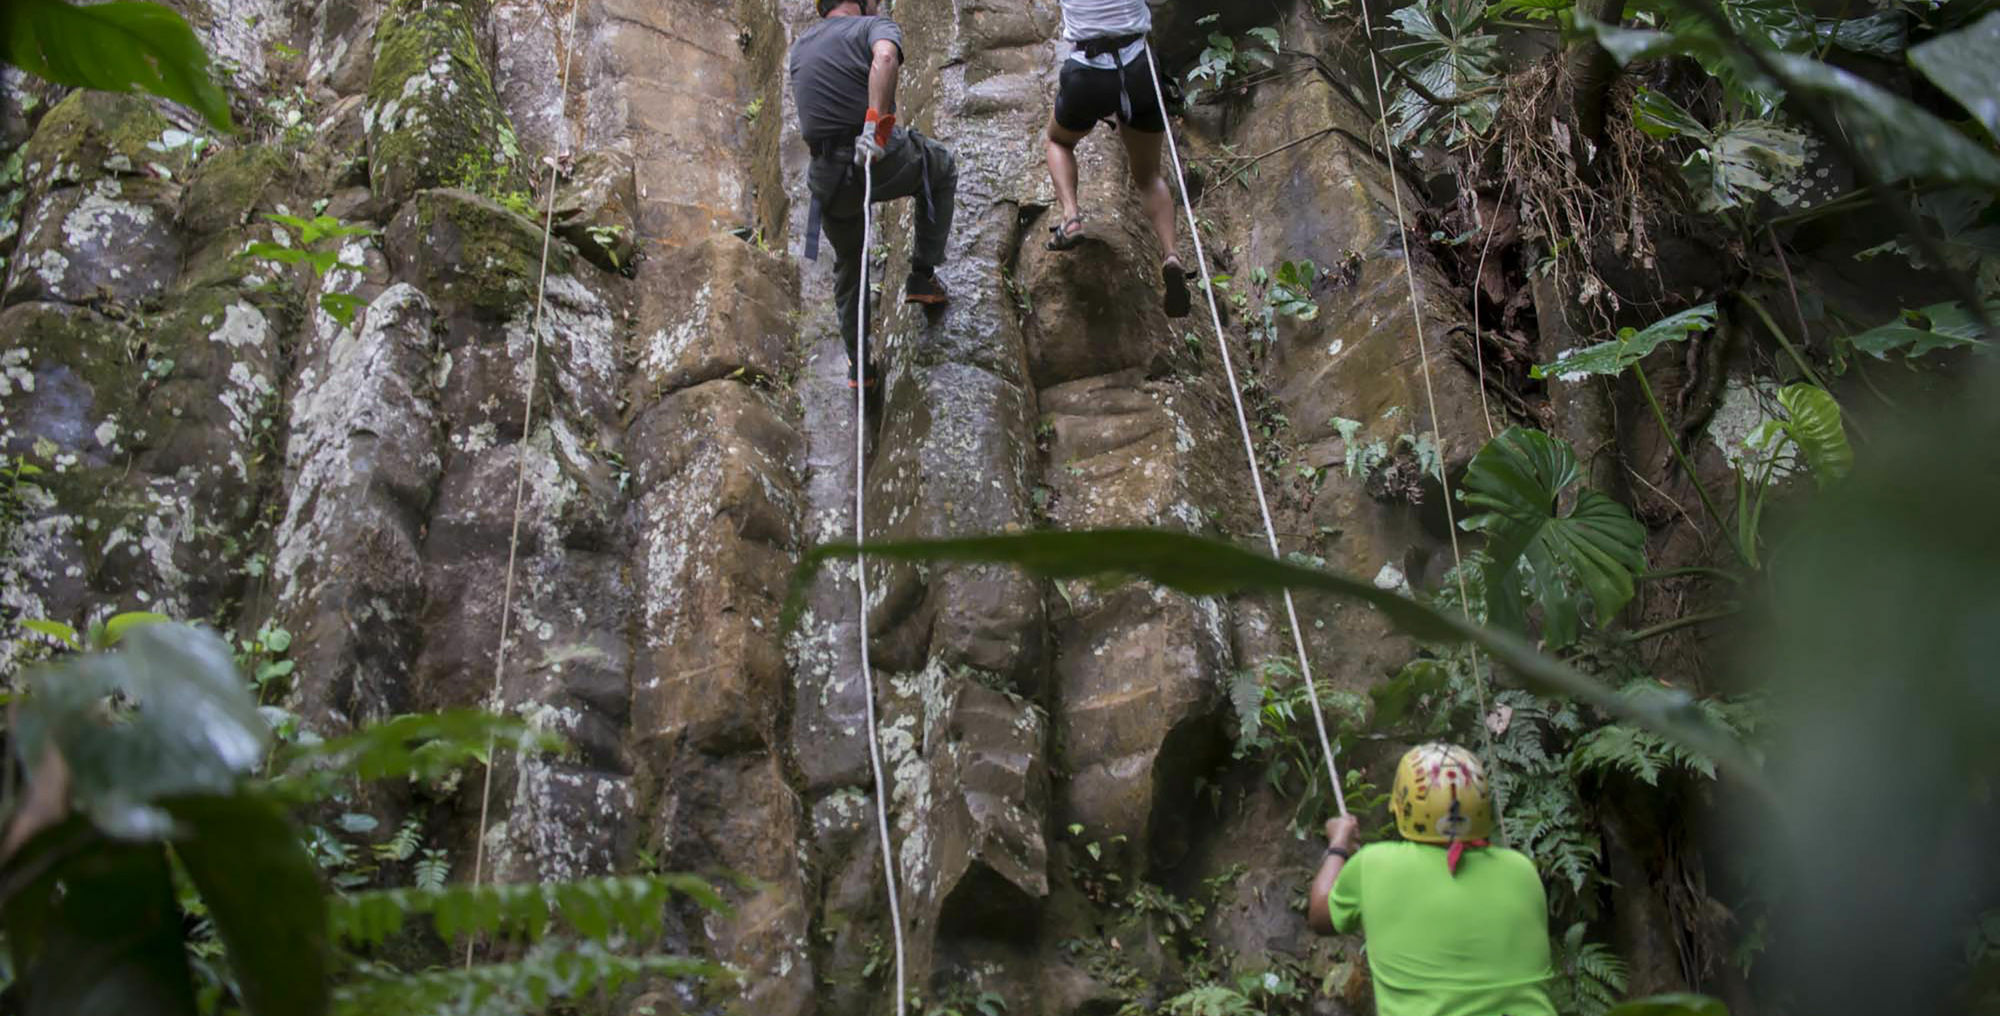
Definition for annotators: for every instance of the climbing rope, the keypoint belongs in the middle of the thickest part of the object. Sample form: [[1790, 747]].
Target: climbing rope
[[861, 564], [1430, 397], [1249, 446], [520, 482]]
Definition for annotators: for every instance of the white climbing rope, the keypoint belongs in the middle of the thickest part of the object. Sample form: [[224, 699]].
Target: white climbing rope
[[861, 564], [1430, 394], [520, 482], [1249, 446]]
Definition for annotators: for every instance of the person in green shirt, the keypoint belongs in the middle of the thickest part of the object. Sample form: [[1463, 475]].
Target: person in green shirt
[[1454, 926]]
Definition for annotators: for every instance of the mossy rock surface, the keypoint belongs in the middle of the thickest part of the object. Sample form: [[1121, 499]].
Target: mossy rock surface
[[226, 188], [433, 119], [469, 254], [91, 135]]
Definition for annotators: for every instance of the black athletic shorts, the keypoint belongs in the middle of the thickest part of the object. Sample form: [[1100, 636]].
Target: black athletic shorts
[[1089, 94]]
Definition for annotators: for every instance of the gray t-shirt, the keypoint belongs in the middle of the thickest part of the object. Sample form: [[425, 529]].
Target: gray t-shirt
[[830, 74]]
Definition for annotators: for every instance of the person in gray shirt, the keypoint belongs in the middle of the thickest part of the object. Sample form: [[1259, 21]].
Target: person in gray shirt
[[1109, 76], [844, 72]]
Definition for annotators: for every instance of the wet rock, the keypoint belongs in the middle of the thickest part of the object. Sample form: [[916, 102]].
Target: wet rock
[[92, 135], [684, 130], [361, 467], [527, 75], [716, 514], [594, 209], [953, 460], [1095, 309], [829, 723], [564, 823], [471, 255], [719, 308], [1362, 362], [1125, 451], [433, 119], [738, 814], [112, 240], [1138, 690]]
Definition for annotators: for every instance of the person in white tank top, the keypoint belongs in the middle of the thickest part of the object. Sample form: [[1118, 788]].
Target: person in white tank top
[[1108, 76]]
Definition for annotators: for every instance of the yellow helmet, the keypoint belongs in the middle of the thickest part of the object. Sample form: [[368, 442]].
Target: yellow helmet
[[1441, 795]]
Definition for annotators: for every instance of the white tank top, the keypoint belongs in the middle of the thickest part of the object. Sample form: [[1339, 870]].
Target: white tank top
[[1101, 19]]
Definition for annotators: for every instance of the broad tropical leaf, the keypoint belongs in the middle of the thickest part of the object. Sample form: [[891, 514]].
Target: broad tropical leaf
[[1962, 65], [1204, 567], [1450, 55], [1628, 348], [262, 891], [1916, 332], [113, 47], [95, 928], [1814, 424], [166, 716], [1899, 137], [1518, 478]]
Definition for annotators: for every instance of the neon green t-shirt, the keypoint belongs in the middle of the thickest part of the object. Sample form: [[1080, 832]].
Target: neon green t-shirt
[[1472, 945]]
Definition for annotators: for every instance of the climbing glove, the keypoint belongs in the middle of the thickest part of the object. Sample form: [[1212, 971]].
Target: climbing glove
[[874, 138]]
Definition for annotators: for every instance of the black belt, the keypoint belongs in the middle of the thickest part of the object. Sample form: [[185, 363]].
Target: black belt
[[1105, 44], [842, 149]]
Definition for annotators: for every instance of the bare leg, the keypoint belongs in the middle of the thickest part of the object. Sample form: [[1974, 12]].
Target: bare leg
[[1142, 150], [1062, 166]]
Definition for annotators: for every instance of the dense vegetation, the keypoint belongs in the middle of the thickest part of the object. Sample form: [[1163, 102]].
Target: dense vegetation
[[156, 779]]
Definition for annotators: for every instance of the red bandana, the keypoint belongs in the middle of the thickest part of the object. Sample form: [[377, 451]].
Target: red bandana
[[1457, 851]]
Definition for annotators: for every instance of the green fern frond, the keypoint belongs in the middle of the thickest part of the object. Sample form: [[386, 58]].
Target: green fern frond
[[403, 845], [423, 746], [433, 871], [529, 985], [594, 908]]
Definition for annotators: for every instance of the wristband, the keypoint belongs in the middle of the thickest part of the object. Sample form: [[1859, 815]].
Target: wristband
[[1341, 852]]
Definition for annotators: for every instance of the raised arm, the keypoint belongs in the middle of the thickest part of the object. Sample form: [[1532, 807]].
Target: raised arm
[[1343, 833], [882, 75]]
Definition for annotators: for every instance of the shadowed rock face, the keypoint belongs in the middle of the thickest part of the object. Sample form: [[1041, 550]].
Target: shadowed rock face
[[219, 444]]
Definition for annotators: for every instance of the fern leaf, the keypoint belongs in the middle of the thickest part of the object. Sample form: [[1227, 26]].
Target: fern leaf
[[529, 985], [595, 908], [422, 746]]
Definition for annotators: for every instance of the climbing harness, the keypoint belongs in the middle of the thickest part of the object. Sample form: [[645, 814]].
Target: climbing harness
[[1249, 446], [520, 482], [861, 563]]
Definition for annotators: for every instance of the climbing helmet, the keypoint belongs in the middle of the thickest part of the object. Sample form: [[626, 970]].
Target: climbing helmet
[[1441, 795]]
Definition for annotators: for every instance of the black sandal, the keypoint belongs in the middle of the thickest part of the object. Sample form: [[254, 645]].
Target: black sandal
[[1066, 235]]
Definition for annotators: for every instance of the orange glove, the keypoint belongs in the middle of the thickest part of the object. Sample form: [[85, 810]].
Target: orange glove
[[884, 124]]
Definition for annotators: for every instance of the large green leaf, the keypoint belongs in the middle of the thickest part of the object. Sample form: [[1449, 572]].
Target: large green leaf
[[1518, 478], [263, 893], [1613, 356], [1916, 332], [1963, 66], [113, 47], [1897, 136], [1204, 567], [95, 928], [166, 716], [1672, 1005], [1813, 421]]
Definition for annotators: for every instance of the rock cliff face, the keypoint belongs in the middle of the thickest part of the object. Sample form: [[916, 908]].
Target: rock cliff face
[[221, 445]]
